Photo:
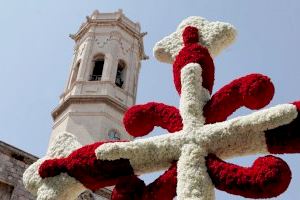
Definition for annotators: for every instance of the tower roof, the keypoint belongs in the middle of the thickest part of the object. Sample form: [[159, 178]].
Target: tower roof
[[107, 19]]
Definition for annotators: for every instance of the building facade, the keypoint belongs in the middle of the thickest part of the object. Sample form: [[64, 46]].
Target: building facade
[[13, 163], [102, 84]]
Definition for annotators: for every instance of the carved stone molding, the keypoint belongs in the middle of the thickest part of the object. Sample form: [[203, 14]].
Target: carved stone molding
[[116, 36], [87, 99]]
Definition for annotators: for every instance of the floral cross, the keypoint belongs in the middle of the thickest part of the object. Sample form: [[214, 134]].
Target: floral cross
[[202, 137], [239, 136]]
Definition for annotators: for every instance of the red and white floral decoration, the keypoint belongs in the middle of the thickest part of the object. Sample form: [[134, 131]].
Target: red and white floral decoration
[[201, 137]]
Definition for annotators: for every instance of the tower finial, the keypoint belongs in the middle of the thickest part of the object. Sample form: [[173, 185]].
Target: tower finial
[[95, 14]]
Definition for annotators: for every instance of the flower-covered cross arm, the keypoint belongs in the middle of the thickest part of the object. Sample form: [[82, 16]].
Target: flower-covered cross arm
[[83, 165], [254, 91], [192, 166], [225, 138], [193, 96], [145, 155], [139, 120]]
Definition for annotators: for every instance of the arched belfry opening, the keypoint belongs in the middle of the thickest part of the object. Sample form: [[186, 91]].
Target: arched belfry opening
[[120, 75], [98, 65]]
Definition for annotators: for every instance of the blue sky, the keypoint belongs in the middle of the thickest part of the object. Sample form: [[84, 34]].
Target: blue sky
[[36, 52]]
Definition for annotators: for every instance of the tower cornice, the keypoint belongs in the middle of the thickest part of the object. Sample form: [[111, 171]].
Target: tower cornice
[[82, 83], [112, 19], [79, 99]]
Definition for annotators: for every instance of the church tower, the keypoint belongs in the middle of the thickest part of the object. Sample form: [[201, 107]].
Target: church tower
[[103, 78]]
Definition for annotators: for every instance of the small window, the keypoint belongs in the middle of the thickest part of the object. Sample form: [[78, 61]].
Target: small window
[[114, 135], [120, 76], [98, 69]]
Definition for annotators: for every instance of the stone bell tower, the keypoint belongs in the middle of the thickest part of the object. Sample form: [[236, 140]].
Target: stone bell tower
[[103, 78]]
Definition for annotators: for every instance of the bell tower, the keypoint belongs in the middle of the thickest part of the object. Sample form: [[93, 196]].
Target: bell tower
[[103, 78]]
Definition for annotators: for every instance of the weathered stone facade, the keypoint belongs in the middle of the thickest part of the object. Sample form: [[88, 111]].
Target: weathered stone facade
[[13, 163]]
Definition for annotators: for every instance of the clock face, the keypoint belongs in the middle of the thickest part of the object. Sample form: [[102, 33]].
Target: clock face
[[114, 135]]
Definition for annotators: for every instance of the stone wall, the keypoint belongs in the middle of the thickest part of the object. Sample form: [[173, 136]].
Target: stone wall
[[13, 163]]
